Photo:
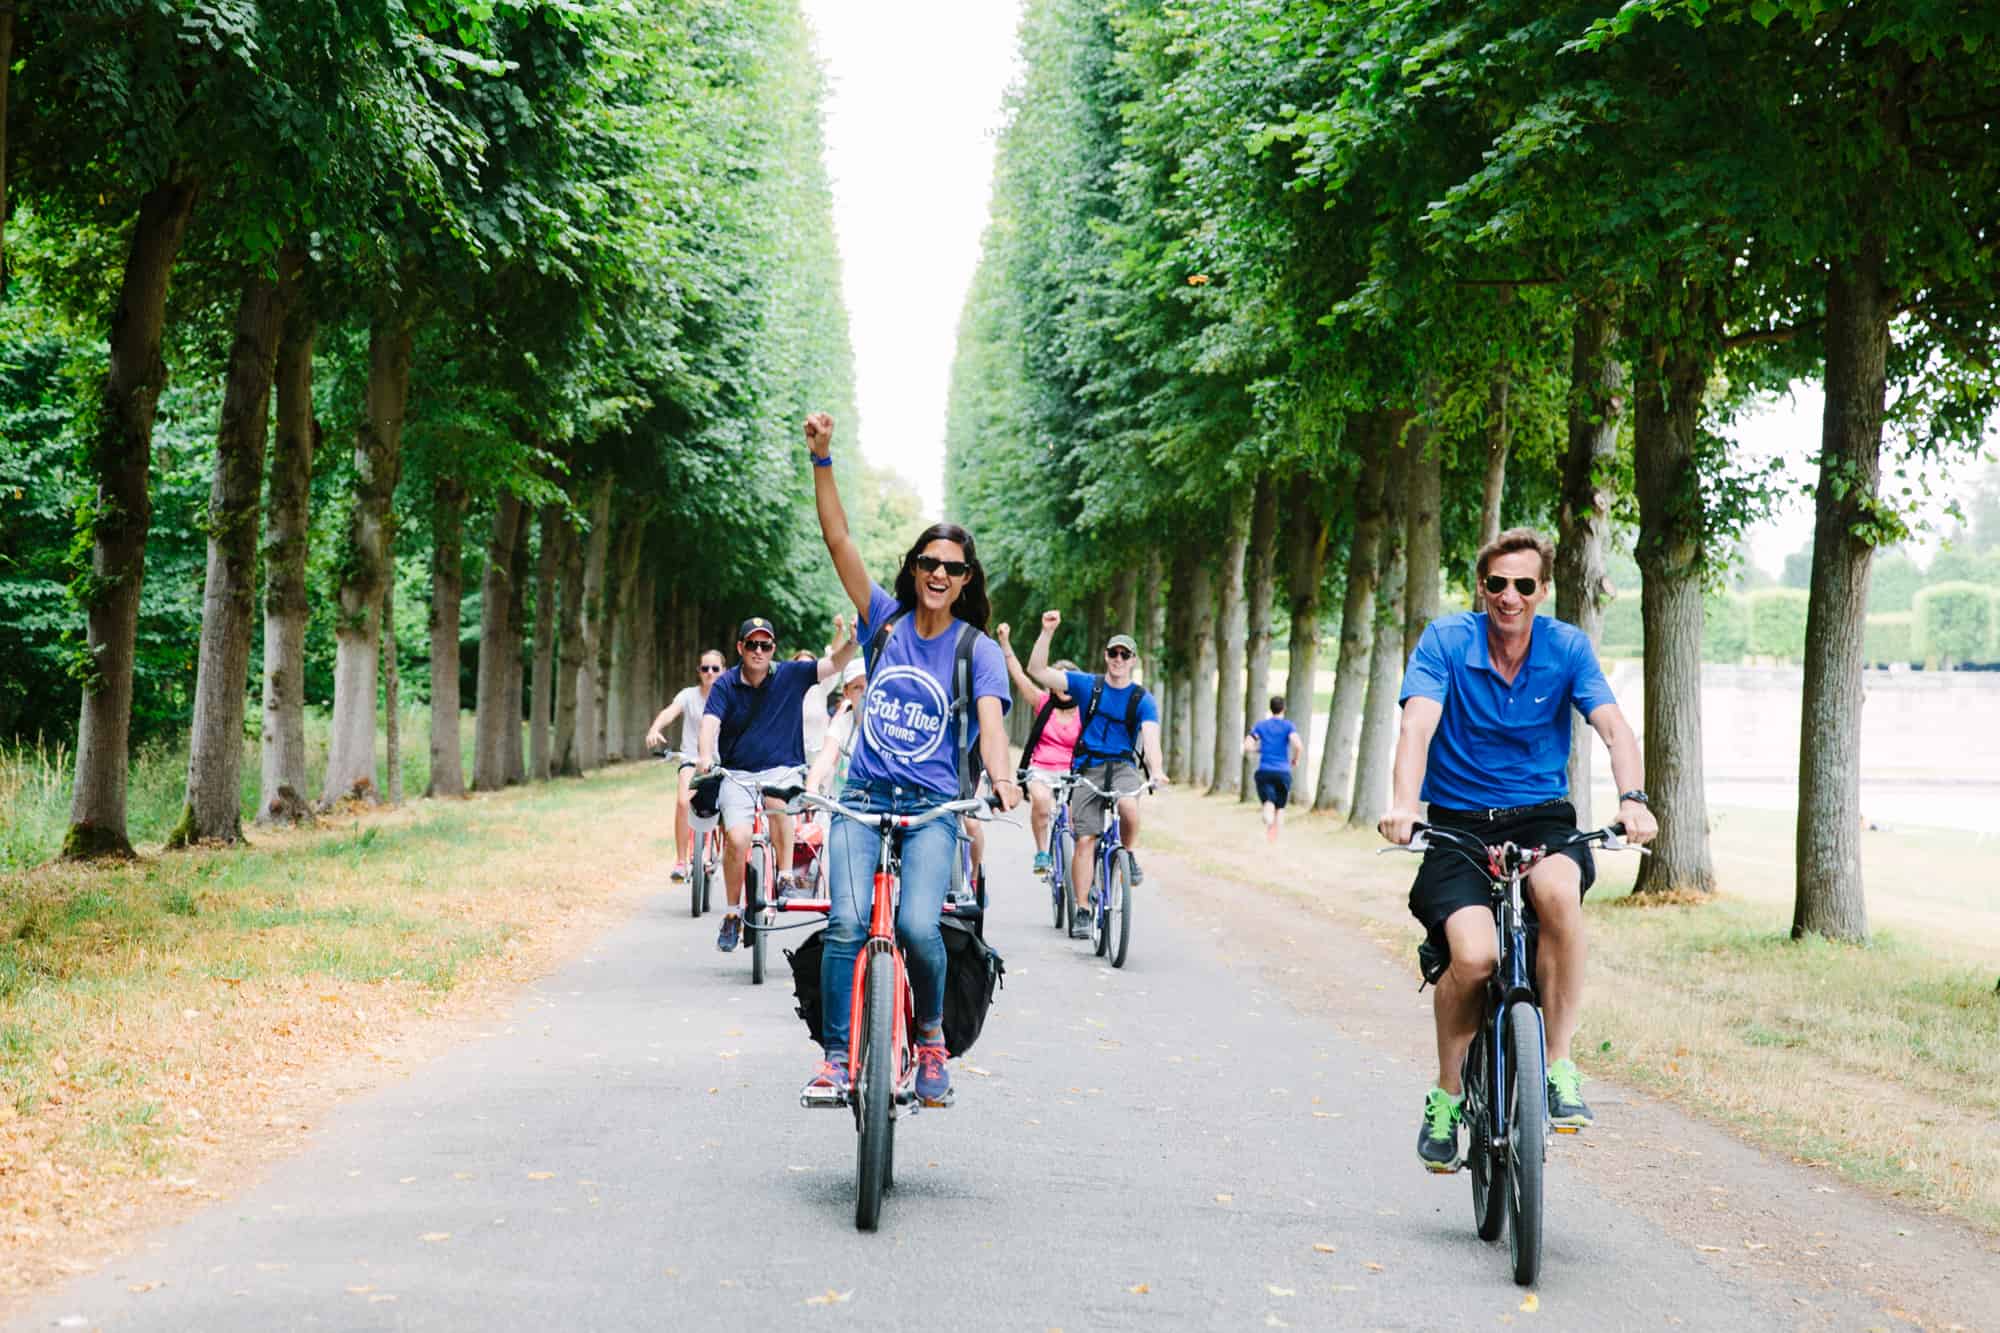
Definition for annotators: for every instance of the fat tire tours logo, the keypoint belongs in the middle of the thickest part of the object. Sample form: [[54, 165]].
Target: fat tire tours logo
[[907, 723]]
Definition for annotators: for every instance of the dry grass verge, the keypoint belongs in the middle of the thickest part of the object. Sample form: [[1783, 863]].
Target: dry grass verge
[[165, 1026], [1877, 1062]]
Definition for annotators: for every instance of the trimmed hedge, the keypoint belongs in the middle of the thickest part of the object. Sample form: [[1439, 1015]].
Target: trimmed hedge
[[1890, 638], [1778, 622], [1725, 635], [1955, 622]]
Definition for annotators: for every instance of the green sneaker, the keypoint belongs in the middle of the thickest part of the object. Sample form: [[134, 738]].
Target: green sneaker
[[1437, 1138], [1567, 1109]]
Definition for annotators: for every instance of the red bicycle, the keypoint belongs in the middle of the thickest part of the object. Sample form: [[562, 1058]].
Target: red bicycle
[[881, 1042]]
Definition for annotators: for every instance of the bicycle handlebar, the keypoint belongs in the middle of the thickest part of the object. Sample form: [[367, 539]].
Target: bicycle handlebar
[[1080, 780], [1611, 837], [794, 795]]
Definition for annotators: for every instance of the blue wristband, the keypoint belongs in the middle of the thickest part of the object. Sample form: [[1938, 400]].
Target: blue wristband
[[818, 461]]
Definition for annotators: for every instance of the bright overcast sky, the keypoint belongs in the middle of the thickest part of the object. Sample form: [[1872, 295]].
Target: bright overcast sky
[[915, 91]]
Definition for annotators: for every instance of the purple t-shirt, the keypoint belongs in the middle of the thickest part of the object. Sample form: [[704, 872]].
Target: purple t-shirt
[[909, 734]]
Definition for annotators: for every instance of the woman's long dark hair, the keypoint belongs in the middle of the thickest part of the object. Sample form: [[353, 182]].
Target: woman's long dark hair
[[971, 606]]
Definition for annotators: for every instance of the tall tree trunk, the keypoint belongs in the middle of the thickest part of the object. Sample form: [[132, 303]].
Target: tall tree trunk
[[287, 541], [589, 682], [1377, 432], [447, 777], [392, 694], [643, 700], [1152, 631], [568, 760], [1201, 656], [1423, 539], [541, 702], [1259, 579], [1670, 563], [350, 760], [1180, 663], [1828, 890], [1305, 567], [1231, 628], [1096, 613], [496, 711], [214, 809], [1596, 401], [1375, 751], [517, 643], [121, 446], [621, 606], [1125, 603], [1498, 440]]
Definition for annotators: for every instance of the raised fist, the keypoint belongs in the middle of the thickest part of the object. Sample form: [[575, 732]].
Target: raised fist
[[1050, 620], [819, 433], [1005, 634]]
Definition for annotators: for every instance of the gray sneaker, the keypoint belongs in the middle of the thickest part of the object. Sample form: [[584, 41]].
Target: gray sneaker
[[1079, 922], [1138, 875]]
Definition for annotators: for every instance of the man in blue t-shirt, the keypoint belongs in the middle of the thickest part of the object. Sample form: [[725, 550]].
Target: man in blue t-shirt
[[754, 728], [1485, 741], [1278, 748], [1121, 729]]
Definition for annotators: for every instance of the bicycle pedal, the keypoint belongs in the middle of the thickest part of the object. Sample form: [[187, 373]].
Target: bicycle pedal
[[823, 1099], [941, 1104], [1567, 1129]]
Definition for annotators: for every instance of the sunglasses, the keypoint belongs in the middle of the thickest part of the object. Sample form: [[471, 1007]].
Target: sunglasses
[[1497, 584], [711, 671], [1118, 654], [930, 564], [759, 646]]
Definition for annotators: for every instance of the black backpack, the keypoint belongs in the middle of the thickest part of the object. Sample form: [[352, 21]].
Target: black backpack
[[973, 972], [1042, 715], [1131, 727], [961, 679]]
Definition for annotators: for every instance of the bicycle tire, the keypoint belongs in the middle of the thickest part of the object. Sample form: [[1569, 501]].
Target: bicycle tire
[[875, 1090], [1489, 1211], [889, 1159], [753, 907], [1527, 1139], [1118, 910], [697, 883], [1058, 882]]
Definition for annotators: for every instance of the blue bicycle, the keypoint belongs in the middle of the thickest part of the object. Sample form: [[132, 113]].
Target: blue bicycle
[[1062, 846], [1111, 899]]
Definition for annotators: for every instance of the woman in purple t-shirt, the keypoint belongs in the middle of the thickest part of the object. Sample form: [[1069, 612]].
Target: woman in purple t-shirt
[[905, 759]]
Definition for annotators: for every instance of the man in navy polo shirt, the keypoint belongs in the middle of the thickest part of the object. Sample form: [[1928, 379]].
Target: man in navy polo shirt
[[755, 729], [1485, 742]]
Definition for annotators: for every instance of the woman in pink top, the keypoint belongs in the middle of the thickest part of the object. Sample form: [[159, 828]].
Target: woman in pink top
[[1050, 758]]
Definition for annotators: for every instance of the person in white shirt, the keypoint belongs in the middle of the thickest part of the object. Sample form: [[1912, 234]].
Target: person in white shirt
[[687, 709]]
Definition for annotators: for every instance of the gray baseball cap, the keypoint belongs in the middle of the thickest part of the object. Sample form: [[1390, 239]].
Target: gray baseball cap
[[1122, 641]]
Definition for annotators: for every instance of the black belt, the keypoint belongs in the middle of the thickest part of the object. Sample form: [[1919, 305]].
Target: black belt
[[1495, 815]]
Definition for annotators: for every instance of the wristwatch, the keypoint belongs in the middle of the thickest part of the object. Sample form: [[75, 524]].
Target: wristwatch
[[1636, 794]]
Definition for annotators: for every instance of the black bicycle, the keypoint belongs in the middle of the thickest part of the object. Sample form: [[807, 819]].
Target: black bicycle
[[1506, 1069]]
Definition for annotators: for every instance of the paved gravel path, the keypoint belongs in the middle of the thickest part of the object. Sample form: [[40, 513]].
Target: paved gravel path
[[1167, 1146]]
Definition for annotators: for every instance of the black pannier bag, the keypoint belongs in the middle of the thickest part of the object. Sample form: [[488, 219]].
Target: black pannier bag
[[973, 972]]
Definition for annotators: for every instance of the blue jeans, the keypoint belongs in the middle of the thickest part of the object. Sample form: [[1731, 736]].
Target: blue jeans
[[853, 850]]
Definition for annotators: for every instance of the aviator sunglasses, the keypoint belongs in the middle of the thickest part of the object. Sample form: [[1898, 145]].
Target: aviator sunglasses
[[1118, 654], [759, 646], [930, 564], [1497, 584]]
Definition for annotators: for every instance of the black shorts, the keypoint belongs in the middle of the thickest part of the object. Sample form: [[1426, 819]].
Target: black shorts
[[1447, 881], [1274, 788]]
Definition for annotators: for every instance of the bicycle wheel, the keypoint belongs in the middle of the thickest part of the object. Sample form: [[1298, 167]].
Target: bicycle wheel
[[1100, 938], [875, 1090], [697, 881], [711, 866], [979, 900], [1118, 909], [1527, 1139], [1489, 1214], [1058, 881], [753, 907]]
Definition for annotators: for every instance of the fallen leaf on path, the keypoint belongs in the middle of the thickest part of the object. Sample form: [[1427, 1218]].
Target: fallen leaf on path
[[1531, 1302], [1372, 1266], [1271, 1320], [406, 1180], [1709, 1249], [713, 1091], [380, 1297], [1323, 1248], [1138, 1288], [433, 1237], [541, 1175], [1279, 1291], [362, 1290], [983, 1073], [463, 1175], [146, 1286], [830, 1297], [1225, 1198]]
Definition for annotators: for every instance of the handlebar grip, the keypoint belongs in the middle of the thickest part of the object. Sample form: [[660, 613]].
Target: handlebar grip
[[787, 792]]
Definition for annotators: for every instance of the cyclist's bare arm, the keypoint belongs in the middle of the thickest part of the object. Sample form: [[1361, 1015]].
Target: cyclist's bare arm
[[1149, 745], [836, 661], [993, 751], [711, 732], [1628, 769], [1015, 671], [657, 735], [1039, 669], [833, 528], [1413, 752]]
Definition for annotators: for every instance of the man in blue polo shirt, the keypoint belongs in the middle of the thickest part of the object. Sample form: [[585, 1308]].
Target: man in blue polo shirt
[[754, 727], [1485, 742]]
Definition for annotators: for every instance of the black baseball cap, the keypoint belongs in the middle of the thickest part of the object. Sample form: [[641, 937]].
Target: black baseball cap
[[752, 625]]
